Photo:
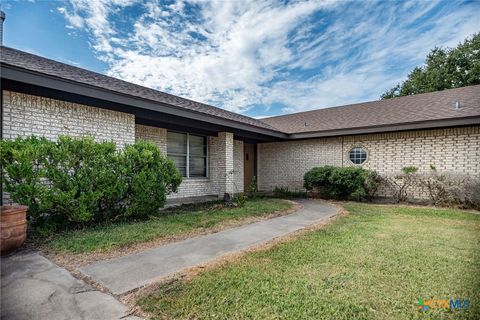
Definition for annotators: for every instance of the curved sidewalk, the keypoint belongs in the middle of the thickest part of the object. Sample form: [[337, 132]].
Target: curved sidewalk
[[124, 274]]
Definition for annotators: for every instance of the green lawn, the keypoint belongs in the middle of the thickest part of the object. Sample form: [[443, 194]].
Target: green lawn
[[176, 222], [374, 263]]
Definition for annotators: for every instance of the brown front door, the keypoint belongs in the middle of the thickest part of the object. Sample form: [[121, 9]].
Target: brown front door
[[248, 160]]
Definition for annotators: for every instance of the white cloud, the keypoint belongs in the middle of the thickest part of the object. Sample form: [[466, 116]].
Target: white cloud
[[236, 54]]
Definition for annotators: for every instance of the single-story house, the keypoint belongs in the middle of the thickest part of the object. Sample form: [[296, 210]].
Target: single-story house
[[219, 151]]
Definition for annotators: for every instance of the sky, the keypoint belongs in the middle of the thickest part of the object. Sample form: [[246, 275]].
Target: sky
[[259, 58]]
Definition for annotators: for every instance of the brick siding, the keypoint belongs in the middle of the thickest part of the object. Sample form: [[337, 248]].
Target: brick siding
[[280, 164], [283, 164], [153, 134], [25, 115], [194, 187], [238, 166], [455, 150]]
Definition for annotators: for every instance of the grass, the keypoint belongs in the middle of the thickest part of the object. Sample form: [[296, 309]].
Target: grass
[[374, 263], [172, 223]]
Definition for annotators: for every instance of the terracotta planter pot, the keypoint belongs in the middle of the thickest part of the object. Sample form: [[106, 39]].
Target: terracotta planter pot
[[13, 227]]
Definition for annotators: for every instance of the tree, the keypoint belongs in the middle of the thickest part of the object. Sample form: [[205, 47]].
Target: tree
[[445, 68]]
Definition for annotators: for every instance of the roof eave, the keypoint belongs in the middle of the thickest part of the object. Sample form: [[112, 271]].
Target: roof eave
[[42, 80], [432, 124]]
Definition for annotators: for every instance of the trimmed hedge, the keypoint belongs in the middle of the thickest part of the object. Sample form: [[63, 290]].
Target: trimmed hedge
[[342, 183], [75, 181]]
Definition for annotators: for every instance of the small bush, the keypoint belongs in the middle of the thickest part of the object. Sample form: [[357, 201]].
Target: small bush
[[318, 178], [23, 169], [149, 177], [82, 177], [252, 187], [371, 183], [75, 181], [342, 183], [449, 189], [472, 193], [240, 200], [442, 188], [402, 183], [438, 186]]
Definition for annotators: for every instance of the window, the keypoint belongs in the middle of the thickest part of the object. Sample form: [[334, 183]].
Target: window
[[358, 155], [189, 152]]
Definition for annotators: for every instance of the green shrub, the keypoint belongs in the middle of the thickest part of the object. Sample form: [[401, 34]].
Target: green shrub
[[240, 200], [371, 183], [83, 178], [342, 183], [75, 181], [318, 177], [23, 168], [149, 177], [252, 188]]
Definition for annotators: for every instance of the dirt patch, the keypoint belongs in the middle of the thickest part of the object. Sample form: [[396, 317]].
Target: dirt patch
[[73, 261]]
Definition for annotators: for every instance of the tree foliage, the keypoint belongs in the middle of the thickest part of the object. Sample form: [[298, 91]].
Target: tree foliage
[[445, 68]]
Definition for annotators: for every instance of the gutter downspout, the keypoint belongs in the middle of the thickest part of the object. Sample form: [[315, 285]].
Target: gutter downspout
[[342, 151]]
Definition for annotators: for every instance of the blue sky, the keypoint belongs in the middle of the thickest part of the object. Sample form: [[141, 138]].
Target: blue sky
[[259, 58]]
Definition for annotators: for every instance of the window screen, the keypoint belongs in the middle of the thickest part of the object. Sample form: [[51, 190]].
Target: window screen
[[189, 152]]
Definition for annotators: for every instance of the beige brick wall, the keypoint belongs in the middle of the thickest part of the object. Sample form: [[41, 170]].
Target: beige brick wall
[[283, 164], [25, 115], [225, 163], [153, 134], [195, 187], [449, 150], [238, 166], [456, 150]]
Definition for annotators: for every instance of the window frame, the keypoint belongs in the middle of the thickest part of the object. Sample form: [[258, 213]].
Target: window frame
[[187, 155], [364, 150]]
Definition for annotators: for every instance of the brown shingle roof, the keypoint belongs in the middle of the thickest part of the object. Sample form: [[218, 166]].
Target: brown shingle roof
[[24, 60], [404, 110], [431, 106]]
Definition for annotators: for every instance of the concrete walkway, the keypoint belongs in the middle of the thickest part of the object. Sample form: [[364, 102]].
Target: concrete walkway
[[123, 274], [32, 288]]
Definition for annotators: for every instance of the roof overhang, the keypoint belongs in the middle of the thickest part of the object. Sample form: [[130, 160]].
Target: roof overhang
[[172, 117], [46, 85], [455, 122]]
